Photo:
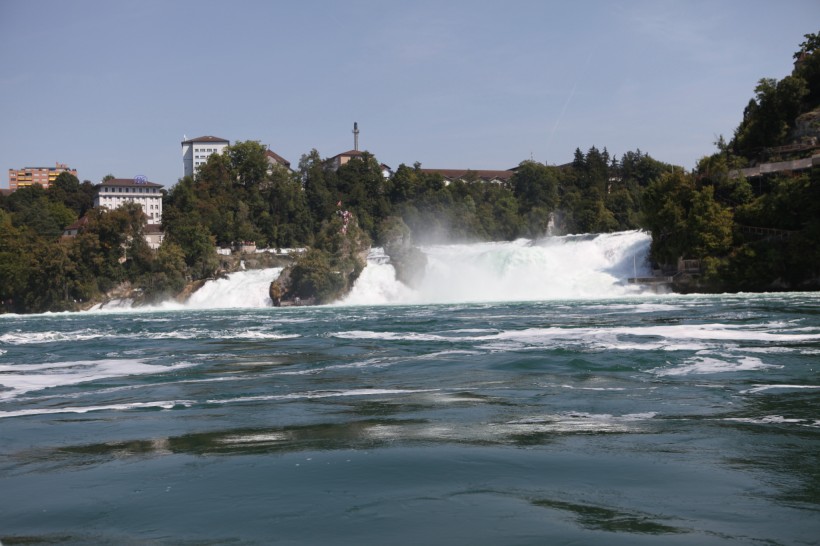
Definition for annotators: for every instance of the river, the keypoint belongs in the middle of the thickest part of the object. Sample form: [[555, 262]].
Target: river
[[523, 394]]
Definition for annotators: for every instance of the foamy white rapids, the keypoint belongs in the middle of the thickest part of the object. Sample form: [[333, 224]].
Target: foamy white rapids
[[666, 337], [17, 379], [569, 267], [238, 290], [716, 364]]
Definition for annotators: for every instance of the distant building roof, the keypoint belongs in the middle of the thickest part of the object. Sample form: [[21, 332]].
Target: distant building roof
[[82, 222], [277, 158], [74, 229], [482, 174], [349, 153], [128, 183], [61, 167], [206, 139]]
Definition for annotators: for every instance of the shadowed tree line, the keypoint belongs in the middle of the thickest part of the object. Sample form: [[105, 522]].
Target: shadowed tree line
[[752, 234]]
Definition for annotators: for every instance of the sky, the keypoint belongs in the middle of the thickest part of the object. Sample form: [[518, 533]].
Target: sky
[[114, 87]]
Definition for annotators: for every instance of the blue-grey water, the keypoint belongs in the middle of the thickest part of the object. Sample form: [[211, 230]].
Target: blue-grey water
[[639, 419]]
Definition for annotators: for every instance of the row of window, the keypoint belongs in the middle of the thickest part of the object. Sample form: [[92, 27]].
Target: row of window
[[154, 209], [155, 203], [126, 190]]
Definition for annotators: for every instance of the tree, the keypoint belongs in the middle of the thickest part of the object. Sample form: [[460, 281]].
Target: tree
[[287, 221], [710, 226], [198, 247], [32, 209], [67, 190], [248, 162], [666, 204], [14, 267], [320, 187], [166, 276], [361, 188], [768, 117], [808, 68], [536, 186]]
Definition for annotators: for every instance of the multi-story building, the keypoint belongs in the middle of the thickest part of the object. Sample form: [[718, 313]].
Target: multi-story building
[[117, 191], [195, 152], [114, 192], [44, 176]]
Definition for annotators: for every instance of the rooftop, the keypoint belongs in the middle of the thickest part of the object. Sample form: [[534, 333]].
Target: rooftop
[[278, 158], [129, 182], [206, 139], [349, 153], [483, 174]]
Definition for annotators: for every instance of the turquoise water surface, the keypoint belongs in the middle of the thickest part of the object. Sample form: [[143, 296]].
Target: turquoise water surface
[[636, 420]]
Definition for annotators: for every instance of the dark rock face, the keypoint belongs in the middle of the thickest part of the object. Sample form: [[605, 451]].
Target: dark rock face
[[408, 261], [326, 272]]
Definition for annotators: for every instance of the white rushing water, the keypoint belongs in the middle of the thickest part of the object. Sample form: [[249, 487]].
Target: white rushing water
[[240, 289], [569, 267]]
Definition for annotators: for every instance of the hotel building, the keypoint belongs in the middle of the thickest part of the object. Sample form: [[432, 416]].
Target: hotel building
[[117, 191], [195, 152]]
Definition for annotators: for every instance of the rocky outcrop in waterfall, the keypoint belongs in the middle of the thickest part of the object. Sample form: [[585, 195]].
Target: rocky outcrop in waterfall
[[408, 261], [326, 272]]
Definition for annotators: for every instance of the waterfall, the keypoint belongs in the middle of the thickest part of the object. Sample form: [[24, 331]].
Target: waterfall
[[247, 288], [551, 268], [568, 267]]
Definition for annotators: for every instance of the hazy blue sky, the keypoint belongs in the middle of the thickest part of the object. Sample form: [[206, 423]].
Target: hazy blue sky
[[112, 87]]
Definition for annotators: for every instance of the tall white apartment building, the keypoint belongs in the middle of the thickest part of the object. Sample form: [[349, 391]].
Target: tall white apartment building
[[195, 152], [116, 191]]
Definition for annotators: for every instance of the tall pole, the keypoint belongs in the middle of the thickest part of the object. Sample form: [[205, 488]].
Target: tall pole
[[355, 136]]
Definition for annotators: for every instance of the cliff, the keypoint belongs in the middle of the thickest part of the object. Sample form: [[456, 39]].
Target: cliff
[[327, 271]]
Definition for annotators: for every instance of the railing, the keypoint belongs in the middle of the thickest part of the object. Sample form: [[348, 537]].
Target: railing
[[767, 232], [780, 166]]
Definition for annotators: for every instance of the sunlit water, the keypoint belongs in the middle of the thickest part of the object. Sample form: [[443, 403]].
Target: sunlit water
[[630, 419]]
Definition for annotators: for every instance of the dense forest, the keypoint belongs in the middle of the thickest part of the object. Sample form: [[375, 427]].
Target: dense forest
[[238, 196], [755, 233], [745, 233]]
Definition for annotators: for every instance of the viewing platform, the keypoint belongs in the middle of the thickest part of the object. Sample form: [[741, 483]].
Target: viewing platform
[[651, 280], [780, 166]]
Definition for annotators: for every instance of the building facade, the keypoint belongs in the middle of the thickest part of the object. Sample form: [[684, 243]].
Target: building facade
[[196, 151], [45, 176], [115, 192], [341, 159]]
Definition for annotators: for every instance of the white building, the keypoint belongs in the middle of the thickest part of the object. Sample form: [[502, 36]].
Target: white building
[[118, 191], [195, 152]]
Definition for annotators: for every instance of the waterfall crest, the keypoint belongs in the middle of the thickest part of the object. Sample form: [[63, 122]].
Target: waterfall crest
[[551, 268], [568, 267]]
